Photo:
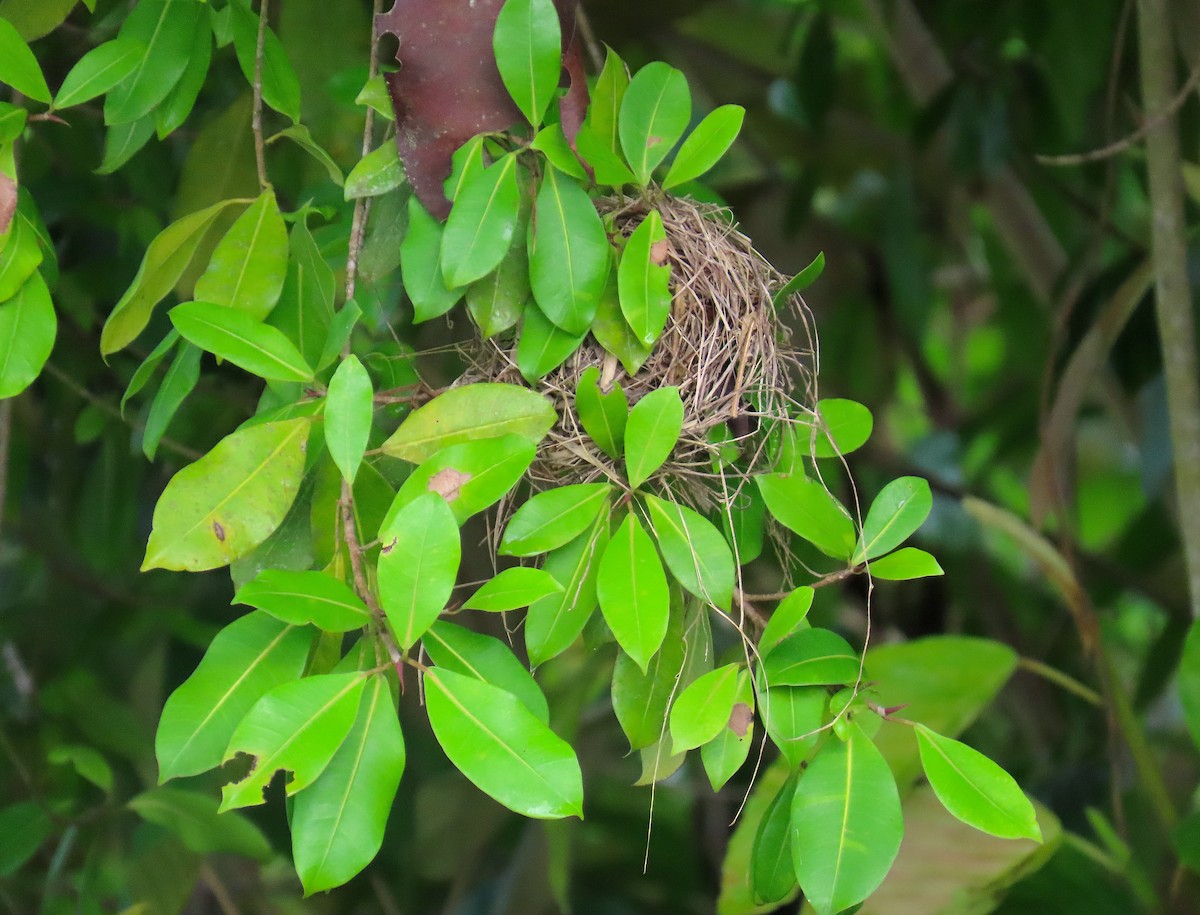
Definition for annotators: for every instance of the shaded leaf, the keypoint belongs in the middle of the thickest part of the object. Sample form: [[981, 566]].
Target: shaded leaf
[[376, 173], [23, 828], [543, 347], [177, 384], [172, 112], [801, 280], [99, 70], [280, 85], [192, 817], [613, 332], [165, 29], [421, 265], [772, 875], [793, 716], [602, 415], [305, 308], [349, 410]]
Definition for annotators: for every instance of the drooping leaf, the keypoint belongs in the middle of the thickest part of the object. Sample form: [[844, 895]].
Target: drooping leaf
[[338, 821], [236, 336], [298, 727], [632, 589], [99, 70], [249, 264], [654, 114], [602, 415], [177, 384], [192, 817], [812, 657], [568, 254], [421, 264], [899, 509], [846, 824], [305, 308], [512, 589], [165, 261], [975, 789], [87, 761], [789, 616], [501, 746], [643, 279], [651, 433], [302, 137], [246, 659], [18, 67], [305, 597], [225, 504], [658, 763], [349, 409], [528, 47], [703, 709], [695, 551], [28, 328], [772, 874], [165, 29], [706, 145], [905, 565], [280, 85], [470, 413], [727, 752], [122, 142], [794, 716], [172, 112], [418, 566], [471, 476], [554, 518], [807, 508], [486, 659], [553, 623], [744, 524]]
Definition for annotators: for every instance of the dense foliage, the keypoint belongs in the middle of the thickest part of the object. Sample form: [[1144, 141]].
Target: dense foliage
[[406, 390]]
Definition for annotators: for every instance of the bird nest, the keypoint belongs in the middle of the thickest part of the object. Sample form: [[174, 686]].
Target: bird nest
[[724, 347]]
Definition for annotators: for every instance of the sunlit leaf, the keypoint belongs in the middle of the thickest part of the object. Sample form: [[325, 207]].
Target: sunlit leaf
[[551, 143], [695, 551], [28, 328], [512, 589], [706, 145], [609, 92], [305, 597], [602, 415], [99, 70], [807, 508], [349, 409], [654, 114], [905, 565], [651, 433], [246, 342], [418, 566], [899, 509], [172, 112], [789, 616], [703, 709], [800, 281], [844, 426], [482, 223], [249, 264], [473, 654], [632, 589], [421, 264], [727, 752], [812, 657], [18, 67], [554, 518]]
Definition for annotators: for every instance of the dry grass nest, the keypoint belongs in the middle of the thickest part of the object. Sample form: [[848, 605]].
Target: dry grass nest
[[724, 346]]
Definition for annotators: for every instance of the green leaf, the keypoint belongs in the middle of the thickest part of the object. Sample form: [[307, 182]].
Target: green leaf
[[707, 144], [800, 281], [543, 346], [225, 504], [807, 508], [632, 589], [418, 566], [376, 173], [608, 166], [172, 112], [18, 67], [512, 589], [192, 817], [28, 328], [249, 264], [13, 120], [905, 565], [553, 623], [280, 85], [528, 46], [554, 518], [349, 409], [844, 427], [974, 789], [695, 551], [165, 261], [568, 254], [338, 821], [87, 761], [20, 257], [305, 597], [341, 329], [1189, 681], [497, 743], [651, 433], [603, 416], [846, 824], [178, 383], [788, 617], [247, 658], [99, 70], [297, 727], [498, 301], [613, 332], [471, 477], [654, 114], [812, 657], [302, 137], [899, 509], [305, 308], [237, 336], [794, 717], [772, 875], [703, 709], [374, 95], [166, 30], [482, 223], [551, 143], [23, 829], [122, 142], [605, 109], [421, 265], [473, 654], [643, 279], [470, 413], [727, 752]]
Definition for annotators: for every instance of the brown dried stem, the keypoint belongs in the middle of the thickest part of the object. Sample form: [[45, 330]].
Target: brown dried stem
[[260, 155]]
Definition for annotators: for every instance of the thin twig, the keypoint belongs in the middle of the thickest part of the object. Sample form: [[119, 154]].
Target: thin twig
[[362, 206], [350, 536], [589, 38], [1067, 682], [220, 892], [260, 155]]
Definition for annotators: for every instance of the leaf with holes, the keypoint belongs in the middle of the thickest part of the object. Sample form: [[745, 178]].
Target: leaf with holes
[[727, 752]]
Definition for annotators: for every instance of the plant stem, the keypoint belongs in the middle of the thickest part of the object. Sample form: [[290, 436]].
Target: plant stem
[[362, 206], [260, 156], [1067, 682], [1173, 299]]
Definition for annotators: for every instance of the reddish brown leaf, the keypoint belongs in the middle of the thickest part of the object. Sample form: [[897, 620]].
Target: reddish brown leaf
[[448, 88]]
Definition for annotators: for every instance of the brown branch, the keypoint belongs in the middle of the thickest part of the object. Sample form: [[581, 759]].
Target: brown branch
[[362, 206], [260, 155], [350, 536]]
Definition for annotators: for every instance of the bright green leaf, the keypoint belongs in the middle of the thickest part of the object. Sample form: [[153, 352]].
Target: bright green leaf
[[553, 623], [788, 617], [349, 409], [551, 143], [498, 301], [654, 114], [225, 504], [302, 137], [249, 657], [613, 332], [487, 659], [1189, 681], [794, 717], [512, 589], [378, 172], [20, 257], [305, 597], [418, 566], [602, 415], [249, 264], [246, 342], [470, 413], [99, 70], [905, 565], [643, 279], [28, 328], [554, 518], [800, 281], [695, 551], [421, 265], [707, 144], [632, 589], [605, 108], [651, 433], [166, 29], [727, 752], [483, 223], [844, 427], [172, 112], [608, 166], [807, 508], [899, 509], [528, 47], [812, 657], [18, 67], [703, 709], [497, 743]]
